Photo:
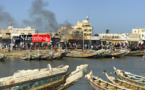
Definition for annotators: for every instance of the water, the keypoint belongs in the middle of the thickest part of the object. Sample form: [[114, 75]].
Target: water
[[132, 64]]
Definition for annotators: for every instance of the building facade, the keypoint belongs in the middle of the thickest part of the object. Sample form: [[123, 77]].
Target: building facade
[[82, 30], [11, 35], [141, 32]]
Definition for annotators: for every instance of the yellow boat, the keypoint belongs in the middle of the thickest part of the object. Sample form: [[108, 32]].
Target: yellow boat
[[135, 53], [99, 84], [81, 54], [124, 83], [129, 77]]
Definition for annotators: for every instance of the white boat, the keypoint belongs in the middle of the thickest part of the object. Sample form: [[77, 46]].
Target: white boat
[[43, 79], [74, 76], [34, 79]]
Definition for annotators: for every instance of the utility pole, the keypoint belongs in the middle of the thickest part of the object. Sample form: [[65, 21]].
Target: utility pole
[[11, 23], [83, 38]]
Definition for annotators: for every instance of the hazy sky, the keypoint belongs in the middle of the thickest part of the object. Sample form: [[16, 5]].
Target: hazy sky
[[119, 16]]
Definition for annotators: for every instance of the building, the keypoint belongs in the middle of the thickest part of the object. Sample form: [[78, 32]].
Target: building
[[84, 27], [76, 33], [65, 33], [140, 32], [11, 35], [113, 38], [95, 39]]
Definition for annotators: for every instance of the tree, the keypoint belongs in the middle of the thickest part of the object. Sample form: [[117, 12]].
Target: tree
[[107, 31]]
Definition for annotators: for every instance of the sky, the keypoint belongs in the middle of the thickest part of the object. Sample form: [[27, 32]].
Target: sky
[[119, 16]]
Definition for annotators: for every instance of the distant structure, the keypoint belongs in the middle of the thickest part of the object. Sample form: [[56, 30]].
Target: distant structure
[[75, 33], [107, 31], [136, 37], [87, 17], [11, 35]]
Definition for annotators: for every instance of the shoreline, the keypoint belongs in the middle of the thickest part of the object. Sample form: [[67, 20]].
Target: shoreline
[[17, 53]]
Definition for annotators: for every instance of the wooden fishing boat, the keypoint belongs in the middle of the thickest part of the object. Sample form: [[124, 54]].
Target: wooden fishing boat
[[114, 54], [123, 83], [63, 54], [117, 53], [43, 79], [25, 57], [81, 54], [136, 53], [34, 56], [3, 57], [127, 76], [100, 53], [56, 55], [45, 56], [74, 76], [99, 84], [37, 79]]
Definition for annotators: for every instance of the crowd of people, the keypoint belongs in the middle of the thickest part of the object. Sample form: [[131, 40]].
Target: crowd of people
[[33, 46]]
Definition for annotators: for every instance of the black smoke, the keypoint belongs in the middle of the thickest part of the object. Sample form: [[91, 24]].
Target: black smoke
[[41, 19], [6, 19], [66, 23]]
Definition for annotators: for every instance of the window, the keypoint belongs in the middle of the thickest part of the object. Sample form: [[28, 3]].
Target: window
[[8, 34]]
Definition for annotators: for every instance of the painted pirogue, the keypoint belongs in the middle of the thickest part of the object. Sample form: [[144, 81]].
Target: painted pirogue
[[117, 53], [25, 57], [81, 54], [136, 53], [99, 84], [124, 83], [34, 79], [127, 76]]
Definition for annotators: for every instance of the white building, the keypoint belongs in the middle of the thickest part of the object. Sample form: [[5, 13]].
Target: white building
[[113, 37], [19, 31], [140, 31]]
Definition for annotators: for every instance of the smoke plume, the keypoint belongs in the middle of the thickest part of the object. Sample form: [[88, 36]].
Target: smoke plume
[[41, 19], [5, 19], [66, 23]]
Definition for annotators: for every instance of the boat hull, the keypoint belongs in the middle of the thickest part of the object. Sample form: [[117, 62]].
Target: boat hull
[[135, 53], [122, 75], [82, 54], [35, 79], [124, 83], [3, 57], [46, 82], [99, 84]]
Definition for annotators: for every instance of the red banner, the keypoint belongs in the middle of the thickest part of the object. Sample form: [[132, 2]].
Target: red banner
[[40, 38]]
